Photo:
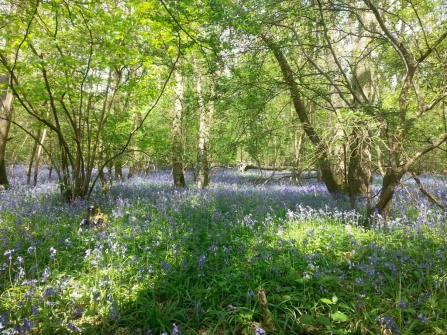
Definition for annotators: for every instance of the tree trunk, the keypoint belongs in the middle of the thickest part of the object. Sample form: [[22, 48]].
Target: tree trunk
[[333, 181], [359, 169], [5, 123], [359, 164], [39, 155], [118, 171], [31, 160], [206, 116], [177, 143]]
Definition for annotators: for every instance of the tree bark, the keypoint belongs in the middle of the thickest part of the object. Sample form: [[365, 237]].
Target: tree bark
[[177, 140], [359, 164], [39, 155], [5, 123], [31, 159], [334, 182], [206, 116]]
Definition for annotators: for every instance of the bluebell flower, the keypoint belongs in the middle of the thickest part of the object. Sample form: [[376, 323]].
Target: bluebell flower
[[27, 324], [401, 304], [9, 253], [423, 318], [175, 330], [49, 291], [73, 328], [52, 252], [45, 275], [96, 296], [389, 323]]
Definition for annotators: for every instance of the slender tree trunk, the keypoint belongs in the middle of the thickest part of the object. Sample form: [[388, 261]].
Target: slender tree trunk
[[206, 116], [31, 160], [297, 149], [334, 183], [177, 142], [5, 123], [135, 162], [39, 155]]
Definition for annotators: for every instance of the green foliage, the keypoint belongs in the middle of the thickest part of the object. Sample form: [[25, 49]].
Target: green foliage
[[199, 258]]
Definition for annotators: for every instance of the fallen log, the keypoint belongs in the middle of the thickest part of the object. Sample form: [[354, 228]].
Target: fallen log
[[243, 167]]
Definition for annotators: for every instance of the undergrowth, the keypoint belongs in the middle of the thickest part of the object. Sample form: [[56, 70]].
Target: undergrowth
[[236, 258]]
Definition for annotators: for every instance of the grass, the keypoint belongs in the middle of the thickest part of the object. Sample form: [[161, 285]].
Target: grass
[[205, 261]]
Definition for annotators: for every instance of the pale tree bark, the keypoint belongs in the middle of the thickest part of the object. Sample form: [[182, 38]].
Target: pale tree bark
[[298, 143], [206, 108], [39, 156], [359, 166], [31, 163], [5, 123], [176, 133], [135, 163]]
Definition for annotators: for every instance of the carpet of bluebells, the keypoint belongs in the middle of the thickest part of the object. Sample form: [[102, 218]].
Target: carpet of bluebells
[[237, 258]]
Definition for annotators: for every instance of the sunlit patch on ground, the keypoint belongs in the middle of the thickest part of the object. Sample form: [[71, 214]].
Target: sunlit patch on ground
[[237, 258]]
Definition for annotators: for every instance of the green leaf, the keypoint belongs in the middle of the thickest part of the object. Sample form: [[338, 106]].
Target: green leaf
[[300, 280], [90, 312], [307, 319], [339, 317], [324, 320], [326, 301]]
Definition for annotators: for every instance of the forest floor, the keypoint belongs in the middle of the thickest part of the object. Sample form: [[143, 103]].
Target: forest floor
[[236, 258]]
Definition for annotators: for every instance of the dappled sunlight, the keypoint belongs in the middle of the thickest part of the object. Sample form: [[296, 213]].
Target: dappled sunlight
[[183, 261]]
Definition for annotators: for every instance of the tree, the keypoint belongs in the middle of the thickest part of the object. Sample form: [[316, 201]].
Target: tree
[[5, 123], [177, 133], [74, 71], [415, 63]]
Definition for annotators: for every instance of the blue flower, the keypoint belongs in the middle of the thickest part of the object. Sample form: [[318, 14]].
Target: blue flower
[[96, 296], [423, 318], [401, 304], [27, 324], [175, 330]]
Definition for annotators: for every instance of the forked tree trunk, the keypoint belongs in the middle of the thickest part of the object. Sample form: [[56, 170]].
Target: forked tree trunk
[[177, 143], [5, 123]]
